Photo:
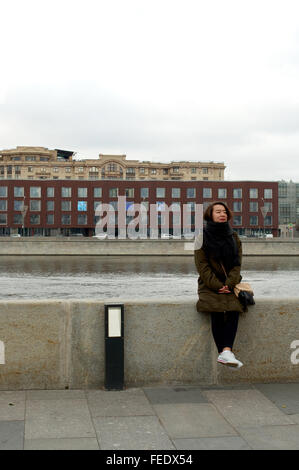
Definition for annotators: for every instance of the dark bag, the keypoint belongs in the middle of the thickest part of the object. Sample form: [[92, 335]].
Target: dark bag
[[243, 291], [246, 298]]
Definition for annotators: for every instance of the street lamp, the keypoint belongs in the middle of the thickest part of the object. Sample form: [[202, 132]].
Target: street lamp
[[114, 346]]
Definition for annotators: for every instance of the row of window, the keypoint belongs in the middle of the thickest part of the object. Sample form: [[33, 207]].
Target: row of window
[[254, 220], [42, 169], [66, 219], [111, 167], [35, 205], [30, 158], [35, 191], [35, 219]]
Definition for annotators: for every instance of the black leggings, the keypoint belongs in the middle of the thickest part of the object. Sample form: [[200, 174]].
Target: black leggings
[[224, 328]]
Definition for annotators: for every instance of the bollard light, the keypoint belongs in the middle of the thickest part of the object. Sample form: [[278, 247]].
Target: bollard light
[[114, 346]]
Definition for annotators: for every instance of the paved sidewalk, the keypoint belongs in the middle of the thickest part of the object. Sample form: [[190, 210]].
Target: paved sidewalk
[[247, 416]]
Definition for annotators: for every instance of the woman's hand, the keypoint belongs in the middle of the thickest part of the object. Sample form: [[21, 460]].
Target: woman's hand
[[224, 290]]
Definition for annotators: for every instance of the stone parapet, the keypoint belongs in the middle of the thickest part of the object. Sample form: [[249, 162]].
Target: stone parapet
[[59, 344], [91, 246]]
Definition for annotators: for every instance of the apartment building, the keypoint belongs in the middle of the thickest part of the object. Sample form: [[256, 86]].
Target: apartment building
[[68, 207], [39, 163]]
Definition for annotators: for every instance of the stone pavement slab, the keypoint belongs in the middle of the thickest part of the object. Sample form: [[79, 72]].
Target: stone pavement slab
[[236, 417], [57, 419], [81, 443], [193, 420], [272, 437], [295, 418], [284, 396], [132, 433], [11, 435], [164, 395], [55, 395], [131, 402], [12, 405], [247, 408], [212, 443]]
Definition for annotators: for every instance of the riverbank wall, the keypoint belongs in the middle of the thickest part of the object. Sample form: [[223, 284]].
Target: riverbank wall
[[93, 247], [60, 344]]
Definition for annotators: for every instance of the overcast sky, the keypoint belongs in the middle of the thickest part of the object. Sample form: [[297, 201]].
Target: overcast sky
[[157, 80]]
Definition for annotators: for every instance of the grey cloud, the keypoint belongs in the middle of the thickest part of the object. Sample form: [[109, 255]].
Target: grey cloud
[[85, 118]]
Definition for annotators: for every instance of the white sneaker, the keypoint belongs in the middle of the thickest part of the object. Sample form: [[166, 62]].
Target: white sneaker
[[240, 364], [228, 359]]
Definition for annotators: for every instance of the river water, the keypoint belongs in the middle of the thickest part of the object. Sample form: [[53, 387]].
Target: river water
[[132, 277]]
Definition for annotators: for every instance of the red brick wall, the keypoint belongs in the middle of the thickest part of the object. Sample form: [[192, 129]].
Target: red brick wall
[[123, 184]]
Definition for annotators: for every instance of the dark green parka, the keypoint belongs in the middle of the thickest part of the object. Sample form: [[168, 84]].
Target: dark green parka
[[212, 278]]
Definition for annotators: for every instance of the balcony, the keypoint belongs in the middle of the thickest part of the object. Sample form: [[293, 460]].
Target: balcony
[[112, 175], [43, 173], [177, 173]]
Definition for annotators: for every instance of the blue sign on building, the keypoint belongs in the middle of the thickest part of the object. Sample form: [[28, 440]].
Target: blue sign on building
[[82, 205]]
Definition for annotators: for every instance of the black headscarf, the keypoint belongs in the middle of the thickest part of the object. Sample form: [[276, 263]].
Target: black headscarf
[[220, 244]]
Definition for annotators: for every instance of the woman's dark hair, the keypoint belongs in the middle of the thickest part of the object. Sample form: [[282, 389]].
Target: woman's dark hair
[[208, 212]]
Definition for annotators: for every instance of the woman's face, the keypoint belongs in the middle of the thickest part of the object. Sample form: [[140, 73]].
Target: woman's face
[[219, 213]]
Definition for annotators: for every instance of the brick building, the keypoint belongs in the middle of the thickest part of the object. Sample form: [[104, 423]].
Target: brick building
[[67, 207]]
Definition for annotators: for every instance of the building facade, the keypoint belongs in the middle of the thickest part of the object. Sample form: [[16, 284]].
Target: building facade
[[67, 207], [41, 163], [288, 209]]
